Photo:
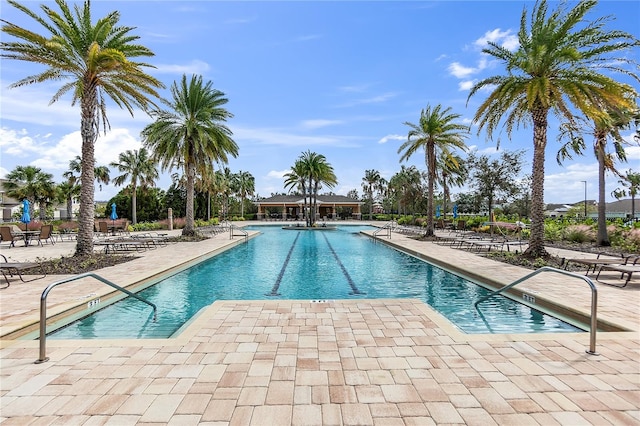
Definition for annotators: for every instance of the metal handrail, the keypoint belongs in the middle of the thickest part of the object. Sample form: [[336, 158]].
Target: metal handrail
[[233, 228], [594, 299], [387, 227], [43, 306]]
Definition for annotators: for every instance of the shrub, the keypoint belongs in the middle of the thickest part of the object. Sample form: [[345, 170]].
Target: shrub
[[630, 240], [553, 231], [146, 226], [579, 233]]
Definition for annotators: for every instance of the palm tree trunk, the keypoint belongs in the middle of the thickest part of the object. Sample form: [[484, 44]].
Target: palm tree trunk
[[536, 240], [69, 207], [208, 206], [603, 237], [189, 222], [88, 129], [431, 173], [134, 205]]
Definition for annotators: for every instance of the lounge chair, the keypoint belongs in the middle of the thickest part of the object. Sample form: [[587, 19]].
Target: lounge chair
[[610, 259], [628, 268], [7, 234], [17, 268]]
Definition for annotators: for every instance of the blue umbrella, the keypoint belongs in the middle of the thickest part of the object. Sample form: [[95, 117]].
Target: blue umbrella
[[114, 215], [455, 211], [438, 212], [26, 218]]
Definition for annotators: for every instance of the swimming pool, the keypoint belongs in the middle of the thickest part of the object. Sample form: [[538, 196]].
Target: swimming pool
[[309, 265]]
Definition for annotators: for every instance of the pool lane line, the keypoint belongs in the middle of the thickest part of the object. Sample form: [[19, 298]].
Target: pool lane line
[[276, 286], [354, 288]]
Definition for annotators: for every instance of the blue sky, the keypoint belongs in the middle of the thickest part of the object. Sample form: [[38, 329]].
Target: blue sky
[[337, 78]]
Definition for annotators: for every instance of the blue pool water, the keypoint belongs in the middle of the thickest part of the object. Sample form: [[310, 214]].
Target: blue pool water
[[309, 265]]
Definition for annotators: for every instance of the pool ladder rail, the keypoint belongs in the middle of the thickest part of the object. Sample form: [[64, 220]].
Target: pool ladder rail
[[594, 299], [241, 232], [386, 230], [43, 307]]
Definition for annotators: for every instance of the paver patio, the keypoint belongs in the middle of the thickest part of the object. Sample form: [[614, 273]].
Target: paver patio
[[351, 362]]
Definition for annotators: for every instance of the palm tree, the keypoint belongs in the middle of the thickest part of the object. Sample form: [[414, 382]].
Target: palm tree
[[630, 186], [139, 169], [93, 62], [369, 183], [603, 127], [436, 131], [192, 132], [245, 184], [67, 191], [101, 173], [296, 180], [556, 65], [453, 172], [316, 171], [31, 183]]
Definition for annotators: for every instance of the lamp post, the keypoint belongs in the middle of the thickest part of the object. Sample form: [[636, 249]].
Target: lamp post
[[585, 198]]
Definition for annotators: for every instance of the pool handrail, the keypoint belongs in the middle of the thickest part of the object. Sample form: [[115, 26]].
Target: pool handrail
[[243, 233], [387, 227], [594, 299], [43, 306]]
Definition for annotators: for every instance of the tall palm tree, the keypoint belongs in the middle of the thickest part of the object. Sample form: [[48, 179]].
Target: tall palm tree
[[603, 127], [436, 131], [295, 180], [192, 132], [453, 172], [94, 62], [630, 182], [316, 171], [245, 184], [139, 169], [101, 173], [556, 66], [31, 183], [369, 183], [66, 193]]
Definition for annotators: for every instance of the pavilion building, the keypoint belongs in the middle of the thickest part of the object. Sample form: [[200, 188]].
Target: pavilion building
[[291, 207]]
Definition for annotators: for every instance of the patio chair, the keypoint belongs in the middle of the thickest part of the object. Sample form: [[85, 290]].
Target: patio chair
[[18, 268], [7, 234], [103, 228], [46, 234]]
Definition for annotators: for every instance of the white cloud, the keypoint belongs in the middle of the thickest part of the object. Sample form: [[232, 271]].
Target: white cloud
[[194, 67], [466, 85], [277, 174], [277, 137], [316, 124], [460, 71], [505, 39], [372, 100], [388, 138], [54, 157]]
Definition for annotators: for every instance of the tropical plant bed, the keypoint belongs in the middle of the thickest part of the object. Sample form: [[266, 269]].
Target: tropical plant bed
[[70, 265]]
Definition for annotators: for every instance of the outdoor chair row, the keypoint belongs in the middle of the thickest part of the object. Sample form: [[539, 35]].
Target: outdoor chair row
[[478, 242], [14, 233], [135, 243]]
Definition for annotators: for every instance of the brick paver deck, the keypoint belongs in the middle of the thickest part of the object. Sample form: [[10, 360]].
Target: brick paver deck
[[352, 362]]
